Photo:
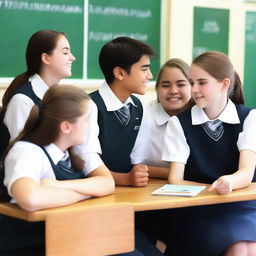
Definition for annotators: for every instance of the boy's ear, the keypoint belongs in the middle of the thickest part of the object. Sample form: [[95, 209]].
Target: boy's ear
[[45, 58], [65, 127], [118, 73], [226, 83]]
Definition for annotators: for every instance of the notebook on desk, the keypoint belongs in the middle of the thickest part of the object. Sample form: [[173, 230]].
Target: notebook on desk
[[178, 190]]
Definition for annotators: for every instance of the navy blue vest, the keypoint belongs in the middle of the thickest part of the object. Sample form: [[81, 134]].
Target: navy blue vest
[[27, 90], [210, 159], [117, 140], [61, 173]]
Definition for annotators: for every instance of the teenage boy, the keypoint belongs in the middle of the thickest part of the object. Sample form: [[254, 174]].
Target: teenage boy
[[125, 64]]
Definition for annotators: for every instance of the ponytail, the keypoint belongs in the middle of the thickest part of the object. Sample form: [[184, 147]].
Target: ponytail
[[31, 124], [16, 83], [236, 94]]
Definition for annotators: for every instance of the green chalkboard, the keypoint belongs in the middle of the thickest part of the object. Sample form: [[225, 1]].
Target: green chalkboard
[[211, 30], [20, 19], [250, 60], [112, 18]]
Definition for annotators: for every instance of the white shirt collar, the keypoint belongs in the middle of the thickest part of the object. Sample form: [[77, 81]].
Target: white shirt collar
[[228, 115], [160, 114], [55, 153], [39, 86], [111, 101]]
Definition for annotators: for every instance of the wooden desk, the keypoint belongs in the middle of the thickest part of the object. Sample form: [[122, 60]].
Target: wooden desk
[[139, 198], [80, 225]]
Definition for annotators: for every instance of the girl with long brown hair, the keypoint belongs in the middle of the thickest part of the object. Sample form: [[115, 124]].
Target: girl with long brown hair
[[42, 169]]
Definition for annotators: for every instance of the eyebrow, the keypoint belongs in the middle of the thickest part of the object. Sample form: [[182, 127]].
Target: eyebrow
[[65, 48], [145, 66], [182, 80], [178, 81]]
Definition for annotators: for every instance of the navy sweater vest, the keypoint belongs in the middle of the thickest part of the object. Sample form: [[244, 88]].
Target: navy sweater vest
[[27, 90], [210, 159], [116, 139], [63, 173]]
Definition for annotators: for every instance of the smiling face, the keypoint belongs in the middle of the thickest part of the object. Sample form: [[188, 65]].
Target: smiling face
[[207, 92], [174, 90], [59, 62], [137, 79]]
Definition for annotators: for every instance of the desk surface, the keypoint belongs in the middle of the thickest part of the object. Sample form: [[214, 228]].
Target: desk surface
[[140, 198]]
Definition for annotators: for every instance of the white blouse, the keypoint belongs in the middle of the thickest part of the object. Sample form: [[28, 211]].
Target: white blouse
[[154, 139], [26, 159], [20, 105]]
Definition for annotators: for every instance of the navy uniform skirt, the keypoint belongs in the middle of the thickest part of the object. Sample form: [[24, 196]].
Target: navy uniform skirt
[[21, 238], [209, 230]]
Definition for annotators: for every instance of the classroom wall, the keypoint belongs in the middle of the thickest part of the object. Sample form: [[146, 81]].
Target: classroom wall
[[241, 36], [177, 36], [181, 29], [79, 19]]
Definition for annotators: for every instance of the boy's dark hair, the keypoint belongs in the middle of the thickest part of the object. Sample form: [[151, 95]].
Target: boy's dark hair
[[122, 52]]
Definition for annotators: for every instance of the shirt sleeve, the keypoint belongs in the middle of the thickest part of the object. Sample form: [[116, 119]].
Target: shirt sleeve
[[175, 148], [139, 151], [247, 138], [26, 160], [17, 114], [92, 159], [92, 144]]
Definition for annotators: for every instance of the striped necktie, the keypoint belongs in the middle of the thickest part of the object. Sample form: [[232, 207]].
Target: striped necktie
[[214, 129], [123, 114], [65, 165]]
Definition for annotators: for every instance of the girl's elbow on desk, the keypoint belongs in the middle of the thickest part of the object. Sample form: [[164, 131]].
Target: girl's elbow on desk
[[102, 186], [29, 204], [107, 189]]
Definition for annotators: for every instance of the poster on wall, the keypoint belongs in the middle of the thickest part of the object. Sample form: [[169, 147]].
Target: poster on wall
[[249, 60], [210, 30]]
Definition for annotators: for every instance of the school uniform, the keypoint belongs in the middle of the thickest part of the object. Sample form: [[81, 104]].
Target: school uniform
[[158, 119], [25, 238], [121, 142], [209, 230], [30, 94], [20, 237], [153, 223], [118, 140], [17, 112], [19, 107]]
